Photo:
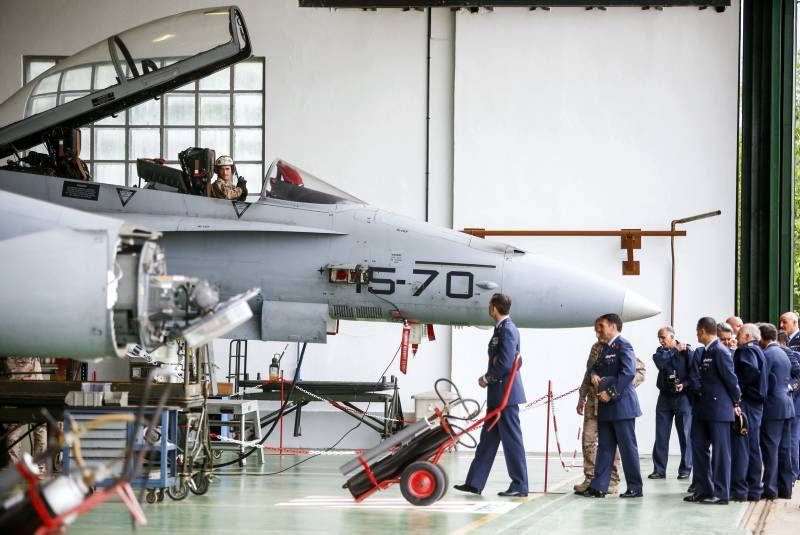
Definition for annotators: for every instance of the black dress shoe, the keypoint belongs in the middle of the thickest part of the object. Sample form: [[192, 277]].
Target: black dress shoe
[[683, 476], [713, 500], [656, 475], [591, 493], [694, 498], [631, 494], [467, 488], [690, 490], [512, 494]]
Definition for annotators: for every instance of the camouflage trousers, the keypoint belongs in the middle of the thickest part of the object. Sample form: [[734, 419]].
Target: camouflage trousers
[[16, 431], [589, 442]]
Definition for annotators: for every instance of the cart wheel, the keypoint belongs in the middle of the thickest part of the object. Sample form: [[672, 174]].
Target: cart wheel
[[201, 482], [422, 483], [218, 454], [179, 490], [160, 495], [446, 481], [150, 497]]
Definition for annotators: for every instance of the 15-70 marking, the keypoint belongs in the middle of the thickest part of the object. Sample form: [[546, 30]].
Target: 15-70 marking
[[380, 285]]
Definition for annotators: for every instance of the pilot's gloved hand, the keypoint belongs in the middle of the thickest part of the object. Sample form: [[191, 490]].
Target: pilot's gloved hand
[[242, 183]]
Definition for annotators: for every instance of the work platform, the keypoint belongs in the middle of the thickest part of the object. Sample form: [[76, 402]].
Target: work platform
[[342, 395], [21, 401], [309, 499]]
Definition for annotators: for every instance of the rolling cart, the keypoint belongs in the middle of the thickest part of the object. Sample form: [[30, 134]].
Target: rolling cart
[[410, 457], [106, 444]]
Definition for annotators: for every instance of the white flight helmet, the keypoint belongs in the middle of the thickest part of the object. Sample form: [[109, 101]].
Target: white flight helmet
[[224, 160]]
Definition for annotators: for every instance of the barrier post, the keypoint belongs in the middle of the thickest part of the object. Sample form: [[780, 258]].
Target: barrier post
[[280, 440], [547, 437]]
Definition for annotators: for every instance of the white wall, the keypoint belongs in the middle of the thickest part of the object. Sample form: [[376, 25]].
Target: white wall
[[574, 119], [561, 119]]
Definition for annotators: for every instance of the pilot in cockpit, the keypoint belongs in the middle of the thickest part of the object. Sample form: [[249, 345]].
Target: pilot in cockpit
[[223, 187]]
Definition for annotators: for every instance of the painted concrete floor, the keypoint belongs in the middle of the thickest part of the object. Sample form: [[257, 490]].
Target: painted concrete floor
[[309, 499]]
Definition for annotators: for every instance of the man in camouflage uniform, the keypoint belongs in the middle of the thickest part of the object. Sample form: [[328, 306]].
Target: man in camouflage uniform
[[223, 187], [24, 369], [587, 406]]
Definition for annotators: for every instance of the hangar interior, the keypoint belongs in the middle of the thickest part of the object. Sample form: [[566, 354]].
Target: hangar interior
[[595, 117]]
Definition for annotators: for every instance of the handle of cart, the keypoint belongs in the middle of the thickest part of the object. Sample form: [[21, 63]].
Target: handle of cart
[[411, 457]]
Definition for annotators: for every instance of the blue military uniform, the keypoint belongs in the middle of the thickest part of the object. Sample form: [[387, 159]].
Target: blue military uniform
[[751, 372], [673, 369], [503, 349], [616, 419], [794, 345], [776, 425], [716, 390]]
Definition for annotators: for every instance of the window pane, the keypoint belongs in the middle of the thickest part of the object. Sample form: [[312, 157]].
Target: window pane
[[47, 85], [68, 97], [39, 104], [104, 76], [37, 67], [217, 139], [145, 143], [220, 80], [77, 79], [110, 173], [180, 109], [247, 109], [215, 109], [178, 139], [252, 172], [146, 113], [86, 143], [112, 120], [247, 144], [248, 75], [109, 144]]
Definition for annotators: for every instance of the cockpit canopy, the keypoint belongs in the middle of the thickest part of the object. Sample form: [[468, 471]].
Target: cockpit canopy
[[119, 72], [290, 183]]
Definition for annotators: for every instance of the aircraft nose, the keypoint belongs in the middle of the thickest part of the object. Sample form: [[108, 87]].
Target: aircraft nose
[[636, 307]]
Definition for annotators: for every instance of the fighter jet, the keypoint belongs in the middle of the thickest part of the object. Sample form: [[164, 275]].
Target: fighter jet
[[318, 254]]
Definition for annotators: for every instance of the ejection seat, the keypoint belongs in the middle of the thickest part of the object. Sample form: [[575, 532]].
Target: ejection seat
[[193, 178]]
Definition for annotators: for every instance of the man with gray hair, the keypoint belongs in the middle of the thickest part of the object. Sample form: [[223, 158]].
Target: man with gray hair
[[673, 360], [746, 461]]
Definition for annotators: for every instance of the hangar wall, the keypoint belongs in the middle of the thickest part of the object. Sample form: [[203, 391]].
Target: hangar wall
[[600, 120], [560, 119]]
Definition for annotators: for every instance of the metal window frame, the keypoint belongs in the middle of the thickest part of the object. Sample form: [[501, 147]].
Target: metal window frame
[[194, 91]]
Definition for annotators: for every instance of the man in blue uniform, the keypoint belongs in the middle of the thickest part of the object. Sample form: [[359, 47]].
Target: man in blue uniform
[[503, 350], [751, 372], [778, 415], [672, 360], [613, 375], [717, 397], [789, 325]]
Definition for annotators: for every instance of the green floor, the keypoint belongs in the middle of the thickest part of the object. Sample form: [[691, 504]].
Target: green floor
[[309, 499]]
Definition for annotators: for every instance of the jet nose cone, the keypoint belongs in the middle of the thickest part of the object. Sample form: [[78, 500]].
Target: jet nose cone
[[636, 307]]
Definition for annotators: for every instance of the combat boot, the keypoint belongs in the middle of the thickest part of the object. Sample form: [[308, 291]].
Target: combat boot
[[581, 487]]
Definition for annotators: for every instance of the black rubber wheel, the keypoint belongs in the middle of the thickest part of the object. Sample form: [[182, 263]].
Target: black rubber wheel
[[150, 497], [202, 482], [179, 490], [446, 481], [422, 483], [160, 495]]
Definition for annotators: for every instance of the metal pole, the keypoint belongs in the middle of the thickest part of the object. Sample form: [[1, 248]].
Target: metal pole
[[547, 439], [280, 440]]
